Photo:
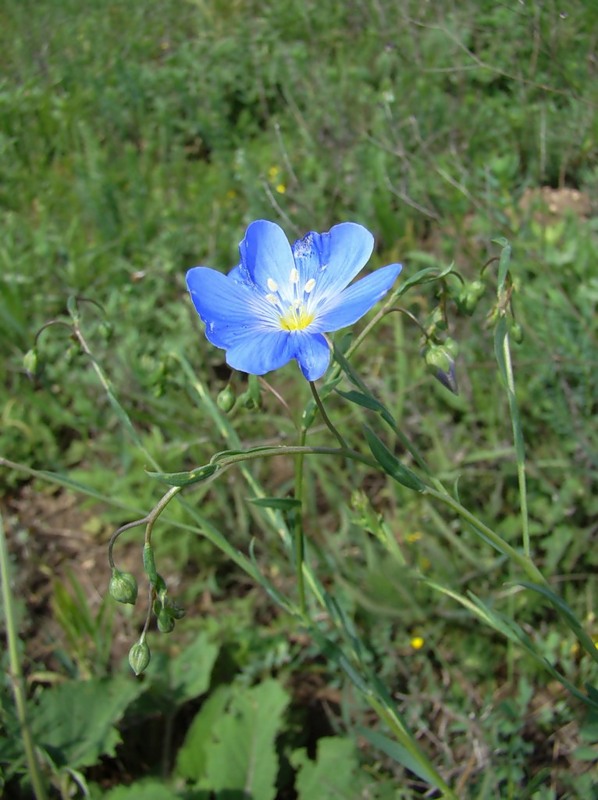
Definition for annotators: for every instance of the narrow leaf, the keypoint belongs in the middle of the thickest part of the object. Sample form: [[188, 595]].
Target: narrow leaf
[[185, 478], [398, 753], [391, 464], [279, 503], [364, 400]]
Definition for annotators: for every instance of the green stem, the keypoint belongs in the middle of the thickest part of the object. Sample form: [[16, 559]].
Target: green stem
[[407, 741], [227, 461], [521, 559], [325, 416], [298, 526], [16, 673], [519, 447], [117, 407]]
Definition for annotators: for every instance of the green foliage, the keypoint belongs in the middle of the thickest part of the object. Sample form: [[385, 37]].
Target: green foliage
[[231, 743], [138, 139], [334, 775], [75, 723]]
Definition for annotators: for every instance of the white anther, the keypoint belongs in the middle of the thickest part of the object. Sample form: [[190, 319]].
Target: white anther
[[309, 285], [272, 285], [294, 276], [271, 298]]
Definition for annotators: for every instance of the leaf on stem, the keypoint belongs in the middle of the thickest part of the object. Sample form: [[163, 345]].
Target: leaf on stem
[[278, 503], [185, 478], [391, 464]]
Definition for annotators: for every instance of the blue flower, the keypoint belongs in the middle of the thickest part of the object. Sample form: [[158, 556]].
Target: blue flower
[[280, 300]]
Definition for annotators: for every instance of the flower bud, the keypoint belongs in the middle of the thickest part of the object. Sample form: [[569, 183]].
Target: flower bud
[[123, 587], [139, 657], [441, 364], [516, 332], [471, 295], [165, 621], [30, 361], [175, 610], [437, 321], [226, 399]]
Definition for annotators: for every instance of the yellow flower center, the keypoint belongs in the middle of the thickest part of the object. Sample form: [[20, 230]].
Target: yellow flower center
[[295, 313], [296, 319]]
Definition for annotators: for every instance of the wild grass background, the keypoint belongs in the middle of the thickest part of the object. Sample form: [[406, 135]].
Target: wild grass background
[[138, 139]]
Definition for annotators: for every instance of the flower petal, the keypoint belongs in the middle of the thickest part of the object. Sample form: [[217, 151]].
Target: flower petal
[[313, 354], [352, 303], [266, 254], [333, 259], [227, 306], [257, 352]]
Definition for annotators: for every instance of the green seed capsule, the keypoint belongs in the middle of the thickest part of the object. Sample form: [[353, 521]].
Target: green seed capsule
[[123, 587], [226, 399], [139, 657], [165, 621]]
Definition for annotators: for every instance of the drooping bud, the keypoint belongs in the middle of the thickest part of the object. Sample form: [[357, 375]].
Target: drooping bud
[[470, 296], [441, 364], [437, 321], [165, 621], [30, 361], [123, 587], [516, 332], [139, 656], [226, 399]]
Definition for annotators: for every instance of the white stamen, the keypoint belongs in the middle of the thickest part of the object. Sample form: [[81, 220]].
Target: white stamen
[[309, 285], [294, 276], [272, 285], [271, 298]]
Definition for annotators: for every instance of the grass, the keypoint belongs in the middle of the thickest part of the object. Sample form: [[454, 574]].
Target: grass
[[138, 139]]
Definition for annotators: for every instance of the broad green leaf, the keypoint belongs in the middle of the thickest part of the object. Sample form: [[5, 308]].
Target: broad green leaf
[[192, 758], [191, 670], [391, 464], [151, 789], [75, 721], [241, 754], [334, 775]]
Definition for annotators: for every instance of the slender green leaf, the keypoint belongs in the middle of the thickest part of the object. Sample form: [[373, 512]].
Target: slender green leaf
[[398, 753], [568, 615], [279, 503], [364, 400], [185, 478], [391, 464]]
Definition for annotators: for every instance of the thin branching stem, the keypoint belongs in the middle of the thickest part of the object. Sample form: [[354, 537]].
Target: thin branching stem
[[326, 418], [16, 673]]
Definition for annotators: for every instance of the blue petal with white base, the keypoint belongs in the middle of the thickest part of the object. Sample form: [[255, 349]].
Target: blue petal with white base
[[280, 300]]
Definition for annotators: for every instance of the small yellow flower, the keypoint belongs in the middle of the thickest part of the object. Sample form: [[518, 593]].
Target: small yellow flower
[[273, 173], [281, 188], [417, 642], [414, 537]]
